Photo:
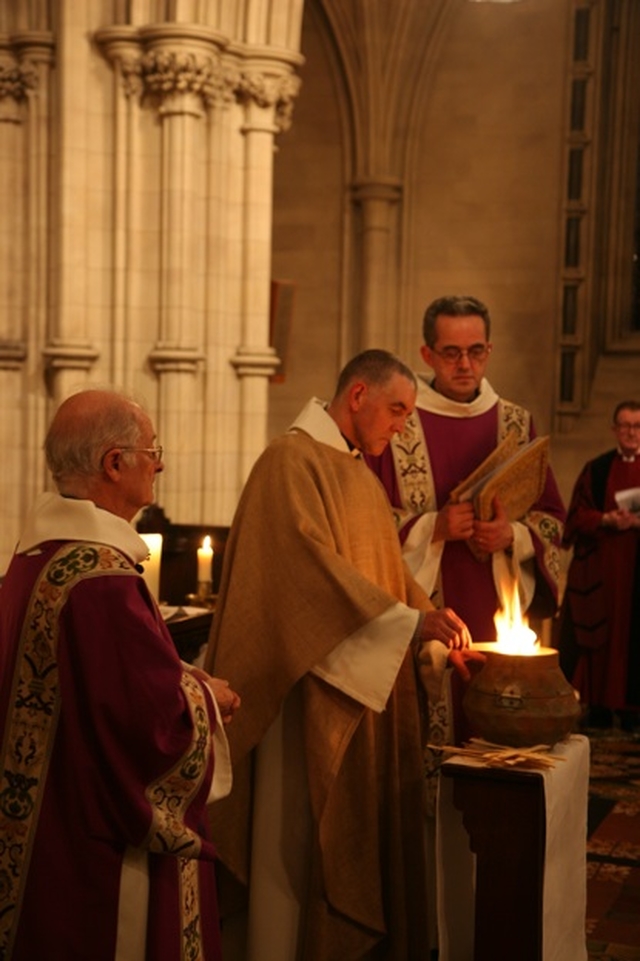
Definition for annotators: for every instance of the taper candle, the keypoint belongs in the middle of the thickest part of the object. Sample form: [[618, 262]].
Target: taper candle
[[205, 561]]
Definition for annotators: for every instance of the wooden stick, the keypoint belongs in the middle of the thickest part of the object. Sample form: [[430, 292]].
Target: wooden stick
[[497, 755]]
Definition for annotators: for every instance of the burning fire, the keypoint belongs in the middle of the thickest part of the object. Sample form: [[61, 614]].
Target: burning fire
[[513, 631]]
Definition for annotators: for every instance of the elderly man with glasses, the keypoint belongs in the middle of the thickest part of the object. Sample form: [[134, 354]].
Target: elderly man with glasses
[[599, 627], [459, 420], [111, 746]]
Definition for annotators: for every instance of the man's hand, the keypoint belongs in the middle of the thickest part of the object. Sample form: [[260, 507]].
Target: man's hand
[[621, 520], [454, 522], [466, 662], [494, 535], [227, 700], [447, 627]]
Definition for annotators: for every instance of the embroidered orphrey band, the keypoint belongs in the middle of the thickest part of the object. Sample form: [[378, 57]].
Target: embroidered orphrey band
[[30, 732]]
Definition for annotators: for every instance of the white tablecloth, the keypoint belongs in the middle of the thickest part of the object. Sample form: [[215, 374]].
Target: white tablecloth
[[566, 788]]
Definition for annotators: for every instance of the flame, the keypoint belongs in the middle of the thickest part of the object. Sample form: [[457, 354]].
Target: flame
[[513, 631]]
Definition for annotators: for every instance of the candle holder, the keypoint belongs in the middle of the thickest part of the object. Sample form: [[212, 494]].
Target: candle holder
[[204, 597]]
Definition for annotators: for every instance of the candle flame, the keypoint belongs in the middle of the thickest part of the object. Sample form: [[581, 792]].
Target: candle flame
[[206, 543], [513, 631]]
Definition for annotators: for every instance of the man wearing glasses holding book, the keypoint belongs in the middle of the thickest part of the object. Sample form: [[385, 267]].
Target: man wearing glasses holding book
[[462, 550]]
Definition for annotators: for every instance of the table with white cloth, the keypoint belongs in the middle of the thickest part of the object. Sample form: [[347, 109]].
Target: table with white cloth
[[511, 858]]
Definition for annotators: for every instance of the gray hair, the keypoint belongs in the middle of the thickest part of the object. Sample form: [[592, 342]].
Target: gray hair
[[453, 306], [85, 427], [374, 367]]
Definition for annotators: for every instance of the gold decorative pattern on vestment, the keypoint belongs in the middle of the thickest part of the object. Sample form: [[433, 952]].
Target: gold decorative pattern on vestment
[[413, 466], [192, 948], [413, 471], [35, 695], [169, 797], [512, 417], [548, 530]]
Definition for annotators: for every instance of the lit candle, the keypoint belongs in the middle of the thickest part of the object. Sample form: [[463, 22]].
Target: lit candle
[[205, 559], [151, 566]]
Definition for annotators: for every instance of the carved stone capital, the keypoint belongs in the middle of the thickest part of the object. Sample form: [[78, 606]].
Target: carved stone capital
[[171, 358], [176, 65], [13, 353], [167, 74], [121, 47], [268, 90], [255, 362], [16, 82], [69, 355]]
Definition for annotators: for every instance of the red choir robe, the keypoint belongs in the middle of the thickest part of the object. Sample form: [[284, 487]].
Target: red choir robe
[[599, 626], [108, 763]]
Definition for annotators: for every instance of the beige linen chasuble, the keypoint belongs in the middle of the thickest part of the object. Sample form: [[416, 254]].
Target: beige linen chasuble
[[313, 630]]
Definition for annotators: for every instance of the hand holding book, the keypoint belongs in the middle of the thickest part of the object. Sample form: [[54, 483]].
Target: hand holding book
[[514, 474]]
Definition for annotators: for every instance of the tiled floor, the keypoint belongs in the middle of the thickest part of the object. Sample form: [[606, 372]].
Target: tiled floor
[[613, 848]]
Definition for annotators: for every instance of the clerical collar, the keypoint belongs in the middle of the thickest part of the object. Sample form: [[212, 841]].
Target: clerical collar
[[353, 450]]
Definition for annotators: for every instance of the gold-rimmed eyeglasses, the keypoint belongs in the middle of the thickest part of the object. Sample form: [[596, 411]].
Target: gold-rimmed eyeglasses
[[453, 355], [155, 453]]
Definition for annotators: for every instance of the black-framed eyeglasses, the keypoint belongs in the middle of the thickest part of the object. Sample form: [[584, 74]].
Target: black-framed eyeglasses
[[628, 427], [453, 355]]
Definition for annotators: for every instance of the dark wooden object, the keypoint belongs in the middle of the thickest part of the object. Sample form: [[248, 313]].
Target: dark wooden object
[[504, 815], [190, 633]]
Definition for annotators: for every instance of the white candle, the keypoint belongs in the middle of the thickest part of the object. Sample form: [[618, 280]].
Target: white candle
[[151, 566], [205, 560]]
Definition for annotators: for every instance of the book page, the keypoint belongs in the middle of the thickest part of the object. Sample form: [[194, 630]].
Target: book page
[[629, 499]]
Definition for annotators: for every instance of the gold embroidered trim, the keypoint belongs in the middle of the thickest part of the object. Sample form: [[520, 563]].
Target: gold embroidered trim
[[413, 471], [413, 467], [192, 947], [169, 797], [549, 531], [30, 732], [511, 417]]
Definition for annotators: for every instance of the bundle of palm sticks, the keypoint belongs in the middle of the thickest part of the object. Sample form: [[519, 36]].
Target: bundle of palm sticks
[[499, 755]]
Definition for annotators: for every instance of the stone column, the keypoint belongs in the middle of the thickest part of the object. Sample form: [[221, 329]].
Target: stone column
[[180, 70], [121, 47], [267, 90], [378, 199], [174, 69], [35, 50], [18, 81], [219, 106]]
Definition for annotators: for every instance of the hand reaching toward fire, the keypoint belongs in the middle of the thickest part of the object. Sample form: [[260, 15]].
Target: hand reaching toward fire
[[466, 662], [445, 626]]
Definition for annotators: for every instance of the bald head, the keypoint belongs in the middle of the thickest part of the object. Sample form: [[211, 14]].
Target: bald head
[[84, 428]]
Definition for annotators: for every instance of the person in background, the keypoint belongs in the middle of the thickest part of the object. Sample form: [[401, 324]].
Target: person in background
[[323, 632], [111, 746], [598, 631], [460, 561]]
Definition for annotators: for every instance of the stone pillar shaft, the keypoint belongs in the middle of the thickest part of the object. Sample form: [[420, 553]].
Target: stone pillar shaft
[[378, 200]]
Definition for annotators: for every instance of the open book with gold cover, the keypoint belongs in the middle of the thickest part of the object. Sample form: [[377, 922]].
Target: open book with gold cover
[[515, 474]]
